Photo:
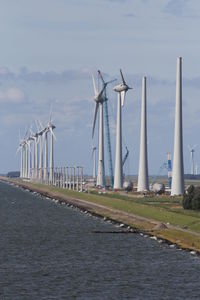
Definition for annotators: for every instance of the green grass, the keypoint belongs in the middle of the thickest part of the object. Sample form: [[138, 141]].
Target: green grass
[[163, 209]]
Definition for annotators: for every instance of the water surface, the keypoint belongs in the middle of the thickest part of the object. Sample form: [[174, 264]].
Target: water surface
[[49, 251]]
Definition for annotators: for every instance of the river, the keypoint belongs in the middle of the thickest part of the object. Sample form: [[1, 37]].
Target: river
[[51, 251]]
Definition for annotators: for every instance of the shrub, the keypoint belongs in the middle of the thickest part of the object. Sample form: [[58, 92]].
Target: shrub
[[196, 199], [188, 196]]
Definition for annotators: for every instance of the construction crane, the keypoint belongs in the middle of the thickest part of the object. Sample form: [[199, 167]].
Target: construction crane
[[125, 156], [107, 129], [162, 167]]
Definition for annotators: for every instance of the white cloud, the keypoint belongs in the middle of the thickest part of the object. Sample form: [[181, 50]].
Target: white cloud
[[12, 94]]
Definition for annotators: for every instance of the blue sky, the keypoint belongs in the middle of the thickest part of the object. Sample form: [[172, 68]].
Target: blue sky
[[49, 49]]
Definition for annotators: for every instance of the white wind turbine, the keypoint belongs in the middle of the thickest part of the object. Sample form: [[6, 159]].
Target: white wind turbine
[[50, 128], [191, 149], [121, 89], [35, 138], [21, 148], [40, 137], [28, 143], [45, 154], [99, 99]]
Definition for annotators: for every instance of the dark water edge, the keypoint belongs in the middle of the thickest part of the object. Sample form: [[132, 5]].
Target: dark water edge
[[50, 251]]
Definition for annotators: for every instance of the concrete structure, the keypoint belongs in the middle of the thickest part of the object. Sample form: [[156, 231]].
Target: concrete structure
[[121, 89], [178, 169], [143, 180], [118, 178]]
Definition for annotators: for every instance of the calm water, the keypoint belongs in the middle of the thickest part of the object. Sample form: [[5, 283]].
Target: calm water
[[49, 251]]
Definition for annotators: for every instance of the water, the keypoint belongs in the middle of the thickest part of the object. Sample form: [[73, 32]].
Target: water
[[49, 251]]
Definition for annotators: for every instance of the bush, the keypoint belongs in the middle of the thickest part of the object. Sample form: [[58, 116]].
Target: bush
[[196, 199], [191, 198], [188, 196]]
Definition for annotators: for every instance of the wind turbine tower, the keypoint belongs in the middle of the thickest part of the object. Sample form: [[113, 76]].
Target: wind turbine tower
[[143, 180], [98, 98], [178, 168], [45, 155], [41, 156], [51, 127], [191, 149], [121, 89], [94, 164]]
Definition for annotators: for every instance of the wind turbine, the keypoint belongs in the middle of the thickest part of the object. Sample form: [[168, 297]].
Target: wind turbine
[[98, 98], [191, 149], [35, 138], [121, 89], [40, 136], [28, 143], [50, 128], [22, 157]]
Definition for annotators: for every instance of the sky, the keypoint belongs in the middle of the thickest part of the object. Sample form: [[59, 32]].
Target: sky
[[50, 48]]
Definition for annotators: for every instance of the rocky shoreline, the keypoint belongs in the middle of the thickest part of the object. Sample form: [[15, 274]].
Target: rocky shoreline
[[126, 223]]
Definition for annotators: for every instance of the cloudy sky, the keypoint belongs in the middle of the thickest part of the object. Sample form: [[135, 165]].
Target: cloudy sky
[[49, 48]]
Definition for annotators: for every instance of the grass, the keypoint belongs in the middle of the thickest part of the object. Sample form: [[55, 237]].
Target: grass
[[159, 208]]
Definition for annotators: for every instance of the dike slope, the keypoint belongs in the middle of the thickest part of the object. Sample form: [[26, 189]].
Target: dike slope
[[102, 206]]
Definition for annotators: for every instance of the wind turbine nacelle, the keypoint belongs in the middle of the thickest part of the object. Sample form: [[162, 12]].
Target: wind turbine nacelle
[[121, 88]]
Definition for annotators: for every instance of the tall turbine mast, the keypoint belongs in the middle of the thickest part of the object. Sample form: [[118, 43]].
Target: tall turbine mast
[[94, 164], [178, 169], [143, 180], [40, 135], [98, 98], [45, 155], [50, 128], [121, 89]]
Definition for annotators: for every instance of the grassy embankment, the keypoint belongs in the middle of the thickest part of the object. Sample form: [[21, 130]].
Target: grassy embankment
[[183, 225]]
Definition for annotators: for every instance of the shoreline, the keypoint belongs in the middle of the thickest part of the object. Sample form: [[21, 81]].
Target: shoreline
[[129, 222]]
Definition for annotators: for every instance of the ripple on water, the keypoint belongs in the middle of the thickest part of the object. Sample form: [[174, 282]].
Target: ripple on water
[[50, 251]]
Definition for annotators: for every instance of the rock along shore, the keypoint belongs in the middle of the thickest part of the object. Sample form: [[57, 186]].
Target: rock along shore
[[131, 222]]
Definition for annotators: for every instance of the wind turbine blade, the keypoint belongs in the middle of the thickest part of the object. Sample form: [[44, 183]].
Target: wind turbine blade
[[123, 93], [53, 133], [37, 125], [122, 77], [50, 113], [94, 85], [95, 116], [26, 133], [41, 126], [104, 80], [111, 81], [101, 76], [17, 150]]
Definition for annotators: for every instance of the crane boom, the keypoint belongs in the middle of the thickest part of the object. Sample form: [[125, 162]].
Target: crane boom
[[125, 156]]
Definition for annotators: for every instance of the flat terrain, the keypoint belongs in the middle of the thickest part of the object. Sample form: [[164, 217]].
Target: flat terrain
[[162, 216]]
